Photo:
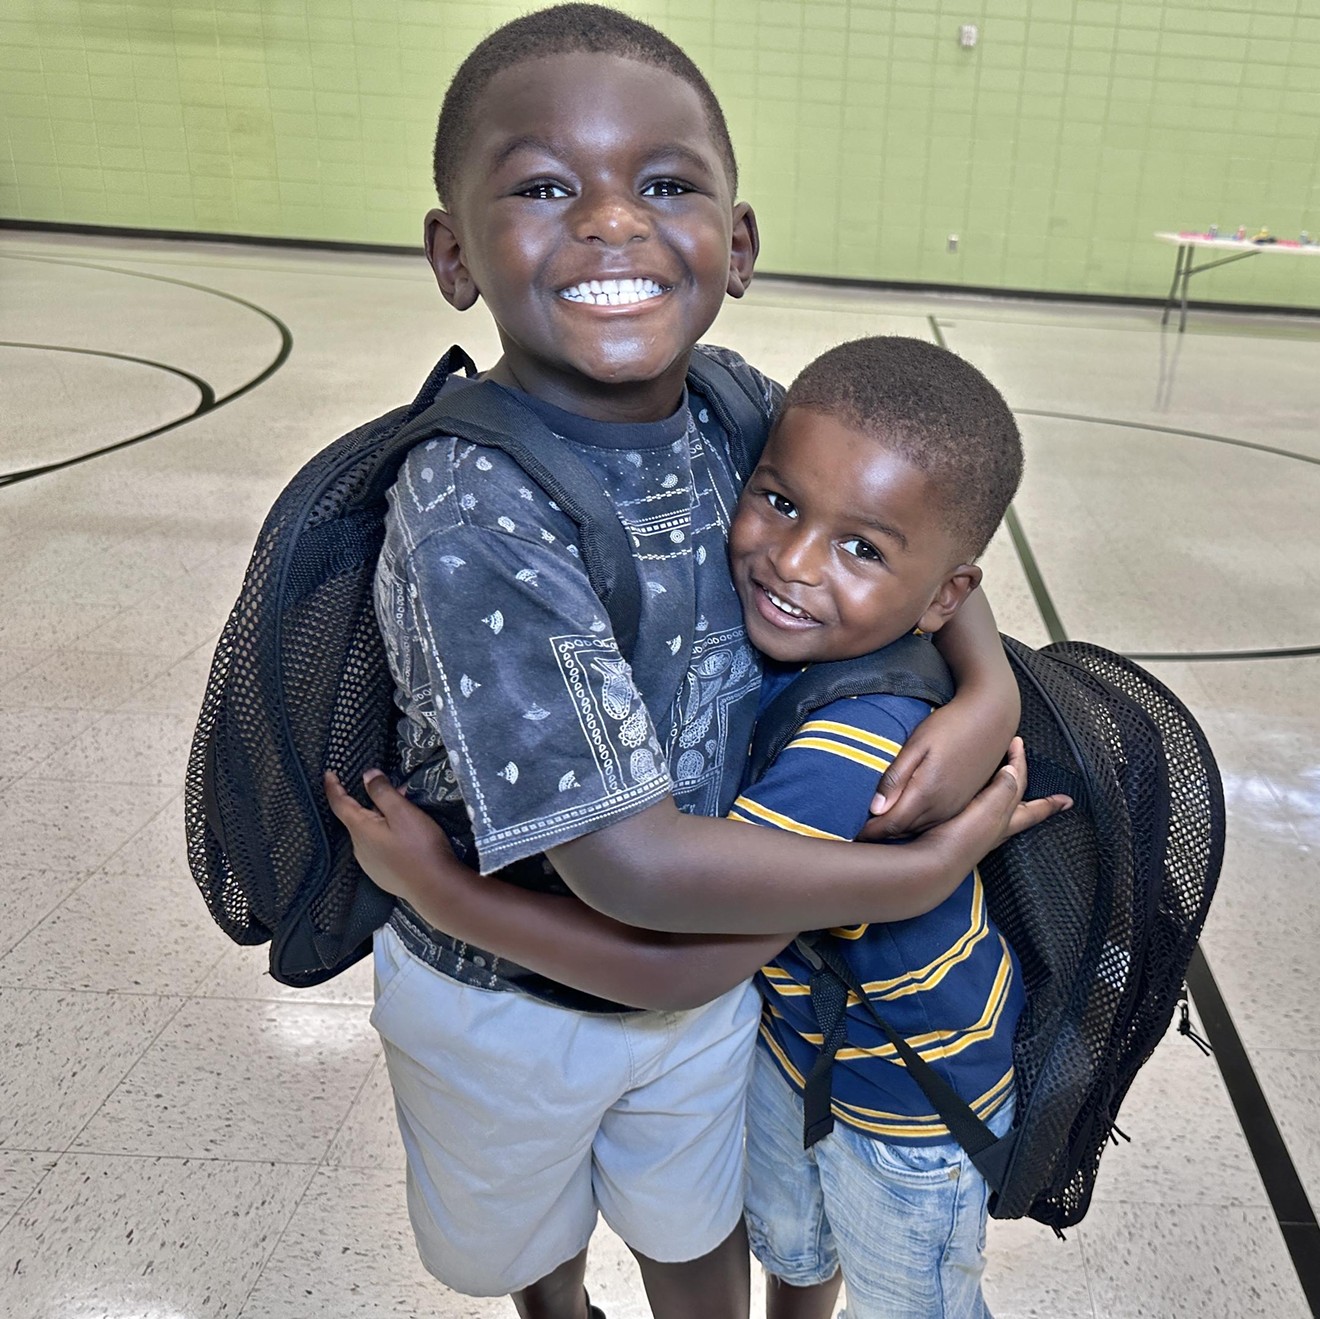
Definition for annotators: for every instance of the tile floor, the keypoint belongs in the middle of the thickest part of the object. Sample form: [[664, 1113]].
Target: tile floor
[[181, 1138]]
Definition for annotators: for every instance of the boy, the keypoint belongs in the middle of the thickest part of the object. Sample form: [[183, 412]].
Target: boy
[[928, 458], [884, 479], [588, 181]]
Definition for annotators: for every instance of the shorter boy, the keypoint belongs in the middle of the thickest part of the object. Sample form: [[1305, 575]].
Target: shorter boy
[[884, 479]]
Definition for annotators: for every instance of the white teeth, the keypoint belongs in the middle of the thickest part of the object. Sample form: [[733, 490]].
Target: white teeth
[[612, 292], [784, 607]]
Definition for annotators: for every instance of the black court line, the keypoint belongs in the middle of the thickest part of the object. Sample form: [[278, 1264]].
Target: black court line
[[238, 240], [1044, 602], [209, 402], [1174, 656], [1288, 1198], [1172, 430], [205, 402], [825, 281], [1201, 656], [1015, 531], [1292, 1209]]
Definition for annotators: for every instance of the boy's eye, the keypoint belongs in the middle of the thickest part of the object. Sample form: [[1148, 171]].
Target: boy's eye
[[780, 504], [665, 188], [543, 190], [861, 549]]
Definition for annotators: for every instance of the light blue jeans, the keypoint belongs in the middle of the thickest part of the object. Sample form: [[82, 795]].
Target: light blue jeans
[[906, 1223]]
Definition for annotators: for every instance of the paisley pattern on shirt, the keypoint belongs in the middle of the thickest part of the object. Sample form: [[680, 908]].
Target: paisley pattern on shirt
[[516, 700]]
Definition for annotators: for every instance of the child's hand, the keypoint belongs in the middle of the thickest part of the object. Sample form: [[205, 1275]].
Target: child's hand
[[945, 762], [996, 813], [397, 844]]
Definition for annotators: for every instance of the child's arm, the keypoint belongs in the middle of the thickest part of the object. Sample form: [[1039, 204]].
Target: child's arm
[[820, 784], [662, 869], [955, 751], [406, 853], [510, 660]]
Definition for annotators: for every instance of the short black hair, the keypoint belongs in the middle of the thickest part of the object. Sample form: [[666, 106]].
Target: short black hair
[[562, 30], [934, 410]]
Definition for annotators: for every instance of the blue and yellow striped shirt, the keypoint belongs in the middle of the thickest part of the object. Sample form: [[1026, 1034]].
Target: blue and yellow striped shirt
[[947, 981]]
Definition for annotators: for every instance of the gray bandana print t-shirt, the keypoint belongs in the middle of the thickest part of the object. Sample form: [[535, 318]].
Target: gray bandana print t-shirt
[[515, 696]]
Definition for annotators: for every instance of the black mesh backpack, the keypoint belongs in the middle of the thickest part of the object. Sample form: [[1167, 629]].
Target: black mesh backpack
[[299, 682], [1103, 904]]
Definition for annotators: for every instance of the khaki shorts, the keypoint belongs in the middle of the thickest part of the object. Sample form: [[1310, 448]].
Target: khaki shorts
[[521, 1121]]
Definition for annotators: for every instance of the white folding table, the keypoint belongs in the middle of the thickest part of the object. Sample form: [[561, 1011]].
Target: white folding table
[[1241, 248]]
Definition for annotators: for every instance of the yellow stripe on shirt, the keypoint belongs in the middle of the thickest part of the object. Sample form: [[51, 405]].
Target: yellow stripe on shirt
[[746, 806], [890, 747], [991, 1099], [915, 982], [924, 1126], [938, 1044], [841, 749], [926, 977], [947, 1044]]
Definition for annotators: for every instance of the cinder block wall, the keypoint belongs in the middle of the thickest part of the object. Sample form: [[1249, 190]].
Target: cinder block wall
[[1053, 148]]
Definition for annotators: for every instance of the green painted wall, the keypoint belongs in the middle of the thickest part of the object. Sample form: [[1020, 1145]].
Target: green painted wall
[[1053, 149]]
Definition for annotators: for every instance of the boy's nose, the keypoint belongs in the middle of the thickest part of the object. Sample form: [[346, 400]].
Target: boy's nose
[[611, 218], [798, 558]]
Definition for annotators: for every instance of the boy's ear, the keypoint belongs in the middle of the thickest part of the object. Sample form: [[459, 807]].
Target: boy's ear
[[743, 251], [444, 251], [955, 588]]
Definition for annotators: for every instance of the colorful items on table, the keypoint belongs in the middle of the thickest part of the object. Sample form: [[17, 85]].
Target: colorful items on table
[[1262, 237]]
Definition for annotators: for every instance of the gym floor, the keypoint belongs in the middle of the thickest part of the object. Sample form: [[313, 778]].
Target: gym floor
[[181, 1137]]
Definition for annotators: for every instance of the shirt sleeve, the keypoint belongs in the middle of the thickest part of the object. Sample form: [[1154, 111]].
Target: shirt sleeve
[[822, 783], [545, 729]]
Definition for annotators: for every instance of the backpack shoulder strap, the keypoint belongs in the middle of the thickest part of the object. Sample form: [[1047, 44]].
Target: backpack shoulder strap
[[832, 981], [360, 466], [910, 666], [485, 414], [732, 390], [451, 363]]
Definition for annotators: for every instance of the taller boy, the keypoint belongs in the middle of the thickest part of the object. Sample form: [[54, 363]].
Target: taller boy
[[588, 183]]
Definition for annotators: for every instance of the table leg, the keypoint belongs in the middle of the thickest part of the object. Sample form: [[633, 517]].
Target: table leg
[[1186, 279], [1184, 251]]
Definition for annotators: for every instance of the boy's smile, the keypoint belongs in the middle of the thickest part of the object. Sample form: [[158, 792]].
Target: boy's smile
[[594, 216], [840, 546]]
